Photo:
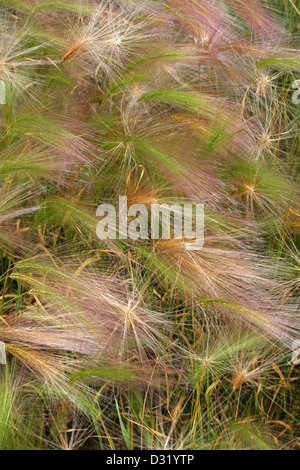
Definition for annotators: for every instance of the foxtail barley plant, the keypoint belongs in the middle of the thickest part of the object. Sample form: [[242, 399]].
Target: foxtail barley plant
[[137, 344]]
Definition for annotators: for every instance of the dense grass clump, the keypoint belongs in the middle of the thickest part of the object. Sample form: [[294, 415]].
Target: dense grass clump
[[145, 344]]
